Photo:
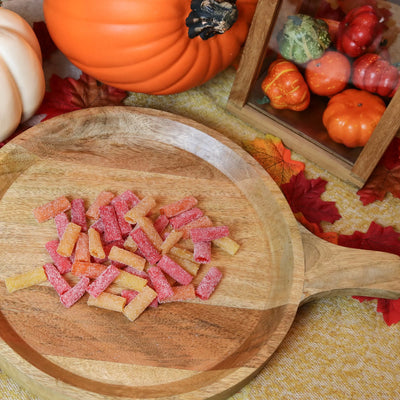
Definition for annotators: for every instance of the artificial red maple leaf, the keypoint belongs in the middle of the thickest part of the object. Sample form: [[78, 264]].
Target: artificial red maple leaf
[[389, 308], [46, 43], [274, 157], [391, 156], [69, 94], [381, 181], [304, 195], [385, 178], [377, 238]]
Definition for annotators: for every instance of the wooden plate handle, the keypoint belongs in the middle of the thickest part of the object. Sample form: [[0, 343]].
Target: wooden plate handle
[[331, 269]]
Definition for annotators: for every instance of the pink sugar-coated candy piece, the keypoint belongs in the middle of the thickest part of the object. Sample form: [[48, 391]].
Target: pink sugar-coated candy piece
[[186, 217], [63, 264], [160, 223], [145, 246], [208, 284], [121, 208], [160, 283], [174, 270], [78, 213], [202, 252], [139, 253], [137, 272], [70, 297], [201, 222], [128, 197], [98, 225], [112, 232], [129, 295], [61, 221], [208, 234], [56, 279], [101, 283]]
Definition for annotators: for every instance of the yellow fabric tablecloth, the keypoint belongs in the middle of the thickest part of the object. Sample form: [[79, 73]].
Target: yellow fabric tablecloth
[[337, 348]]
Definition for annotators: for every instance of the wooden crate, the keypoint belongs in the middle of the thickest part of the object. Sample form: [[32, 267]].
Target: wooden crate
[[303, 131]]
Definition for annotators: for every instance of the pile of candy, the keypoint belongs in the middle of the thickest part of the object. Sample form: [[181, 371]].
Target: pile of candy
[[127, 259]]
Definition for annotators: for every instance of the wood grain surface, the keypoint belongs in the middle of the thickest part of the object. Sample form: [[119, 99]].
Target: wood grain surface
[[192, 350]]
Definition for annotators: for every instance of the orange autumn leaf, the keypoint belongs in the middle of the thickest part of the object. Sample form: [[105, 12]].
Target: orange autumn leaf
[[274, 157], [314, 228]]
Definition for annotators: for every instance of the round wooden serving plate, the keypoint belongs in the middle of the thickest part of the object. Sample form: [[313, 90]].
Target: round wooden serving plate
[[191, 350]]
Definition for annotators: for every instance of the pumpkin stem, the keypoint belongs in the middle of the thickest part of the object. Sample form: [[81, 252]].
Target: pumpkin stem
[[211, 17], [264, 100]]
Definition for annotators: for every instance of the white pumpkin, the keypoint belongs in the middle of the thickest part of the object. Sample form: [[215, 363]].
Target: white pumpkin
[[22, 83]]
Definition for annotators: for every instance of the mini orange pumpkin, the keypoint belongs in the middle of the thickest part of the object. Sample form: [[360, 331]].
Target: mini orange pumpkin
[[328, 74], [352, 115], [150, 46], [285, 87]]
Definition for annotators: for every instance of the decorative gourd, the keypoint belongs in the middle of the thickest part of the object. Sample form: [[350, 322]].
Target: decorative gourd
[[21, 74], [303, 38], [352, 115], [150, 46], [329, 74], [285, 86], [357, 31], [373, 73]]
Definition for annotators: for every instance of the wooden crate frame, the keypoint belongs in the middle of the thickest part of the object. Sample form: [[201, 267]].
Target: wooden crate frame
[[248, 71]]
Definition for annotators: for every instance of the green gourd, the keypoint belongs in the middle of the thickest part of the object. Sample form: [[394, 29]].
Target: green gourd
[[303, 38]]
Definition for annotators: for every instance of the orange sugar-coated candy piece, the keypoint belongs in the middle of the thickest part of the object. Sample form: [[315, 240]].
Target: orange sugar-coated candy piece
[[139, 303], [89, 269], [189, 265], [95, 244], [104, 198], [68, 240], [151, 232], [51, 209], [127, 257], [127, 280], [82, 248], [179, 206], [141, 209], [108, 301], [181, 293], [171, 240]]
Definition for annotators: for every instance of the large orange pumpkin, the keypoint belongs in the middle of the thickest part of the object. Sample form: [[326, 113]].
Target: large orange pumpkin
[[144, 45]]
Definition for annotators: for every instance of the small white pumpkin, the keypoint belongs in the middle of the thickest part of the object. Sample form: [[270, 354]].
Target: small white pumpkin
[[22, 83]]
